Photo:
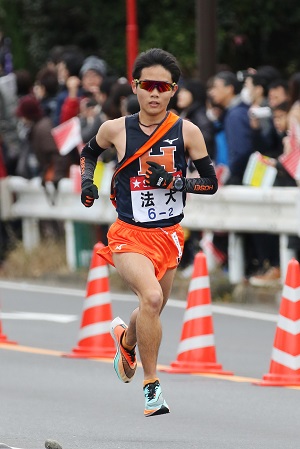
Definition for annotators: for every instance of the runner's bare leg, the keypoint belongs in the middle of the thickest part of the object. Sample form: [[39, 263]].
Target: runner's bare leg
[[145, 326]]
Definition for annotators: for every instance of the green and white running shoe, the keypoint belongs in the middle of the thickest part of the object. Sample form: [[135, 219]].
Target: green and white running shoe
[[154, 401]]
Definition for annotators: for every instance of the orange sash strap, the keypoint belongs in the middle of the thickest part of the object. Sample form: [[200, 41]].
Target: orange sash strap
[[158, 134]]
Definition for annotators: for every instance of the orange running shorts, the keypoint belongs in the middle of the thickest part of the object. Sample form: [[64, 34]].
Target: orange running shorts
[[163, 246]]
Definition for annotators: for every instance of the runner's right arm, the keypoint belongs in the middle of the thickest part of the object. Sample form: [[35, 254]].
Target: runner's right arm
[[110, 133], [88, 161]]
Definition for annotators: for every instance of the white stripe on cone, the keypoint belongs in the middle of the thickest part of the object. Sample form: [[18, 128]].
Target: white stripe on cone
[[193, 313], [189, 344], [199, 283], [292, 294], [98, 299], [97, 273], [288, 360], [290, 326], [92, 330]]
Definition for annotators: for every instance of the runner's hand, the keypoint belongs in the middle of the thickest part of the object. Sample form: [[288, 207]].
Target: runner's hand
[[157, 176], [89, 193]]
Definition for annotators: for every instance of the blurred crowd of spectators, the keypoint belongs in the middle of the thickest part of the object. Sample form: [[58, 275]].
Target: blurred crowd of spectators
[[254, 110]]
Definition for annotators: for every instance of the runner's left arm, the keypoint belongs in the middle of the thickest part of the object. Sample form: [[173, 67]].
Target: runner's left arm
[[207, 183]]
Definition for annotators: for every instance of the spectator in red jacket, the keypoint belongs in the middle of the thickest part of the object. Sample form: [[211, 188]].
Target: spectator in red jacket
[[51, 165]]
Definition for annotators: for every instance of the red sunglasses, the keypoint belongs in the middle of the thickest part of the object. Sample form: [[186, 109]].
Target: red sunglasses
[[149, 85]]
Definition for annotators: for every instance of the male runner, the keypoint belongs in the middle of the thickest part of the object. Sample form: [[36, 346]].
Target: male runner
[[145, 243]]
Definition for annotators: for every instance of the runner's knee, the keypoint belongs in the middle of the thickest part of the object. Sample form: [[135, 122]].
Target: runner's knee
[[152, 302]]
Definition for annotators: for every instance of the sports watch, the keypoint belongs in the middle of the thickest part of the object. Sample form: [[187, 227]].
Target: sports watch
[[178, 184]]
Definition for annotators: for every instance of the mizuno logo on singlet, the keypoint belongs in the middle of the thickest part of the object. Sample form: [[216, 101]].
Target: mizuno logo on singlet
[[170, 141]]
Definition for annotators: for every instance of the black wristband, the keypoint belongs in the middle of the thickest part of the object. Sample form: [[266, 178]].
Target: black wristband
[[207, 184]]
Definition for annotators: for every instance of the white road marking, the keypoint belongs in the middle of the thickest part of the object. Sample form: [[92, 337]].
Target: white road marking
[[4, 446], [56, 318], [219, 309]]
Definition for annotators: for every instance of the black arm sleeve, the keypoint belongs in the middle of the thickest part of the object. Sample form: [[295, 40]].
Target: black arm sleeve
[[207, 184], [88, 159]]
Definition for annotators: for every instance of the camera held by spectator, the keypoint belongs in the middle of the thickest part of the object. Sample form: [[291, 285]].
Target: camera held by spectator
[[260, 112]]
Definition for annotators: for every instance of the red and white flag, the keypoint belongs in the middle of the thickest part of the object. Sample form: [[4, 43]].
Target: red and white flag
[[291, 160], [67, 135]]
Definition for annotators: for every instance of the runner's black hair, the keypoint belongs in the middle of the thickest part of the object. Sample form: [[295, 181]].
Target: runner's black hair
[[157, 56]]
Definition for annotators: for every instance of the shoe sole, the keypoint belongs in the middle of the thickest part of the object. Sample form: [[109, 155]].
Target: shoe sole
[[161, 411]]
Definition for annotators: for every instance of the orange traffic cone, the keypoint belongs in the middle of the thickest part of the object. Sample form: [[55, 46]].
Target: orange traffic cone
[[196, 352], [94, 336], [3, 338], [285, 361]]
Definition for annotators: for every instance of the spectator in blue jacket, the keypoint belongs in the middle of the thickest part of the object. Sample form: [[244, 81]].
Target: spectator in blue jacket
[[224, 92]]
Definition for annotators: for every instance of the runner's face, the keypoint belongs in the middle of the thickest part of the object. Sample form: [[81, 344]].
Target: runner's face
[[155, 102]]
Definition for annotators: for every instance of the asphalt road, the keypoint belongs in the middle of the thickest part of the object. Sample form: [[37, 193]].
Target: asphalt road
[[82, 404]]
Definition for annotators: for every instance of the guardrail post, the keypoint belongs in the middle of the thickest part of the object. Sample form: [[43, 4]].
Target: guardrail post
[[30, 233], [236, 258], [6, 199], [286, 254], [70, 245]]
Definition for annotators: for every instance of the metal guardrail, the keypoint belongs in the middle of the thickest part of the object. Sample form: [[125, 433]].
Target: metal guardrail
[[241, 209], [233, 209]]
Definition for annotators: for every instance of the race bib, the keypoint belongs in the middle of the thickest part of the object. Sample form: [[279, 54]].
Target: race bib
[[152, 204]]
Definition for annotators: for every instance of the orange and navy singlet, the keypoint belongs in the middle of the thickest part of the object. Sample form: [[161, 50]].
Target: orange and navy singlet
[[138, 204]]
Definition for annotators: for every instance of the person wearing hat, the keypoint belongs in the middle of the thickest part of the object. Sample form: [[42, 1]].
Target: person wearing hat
[[84, 97], [94, 64], [87, 85]]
